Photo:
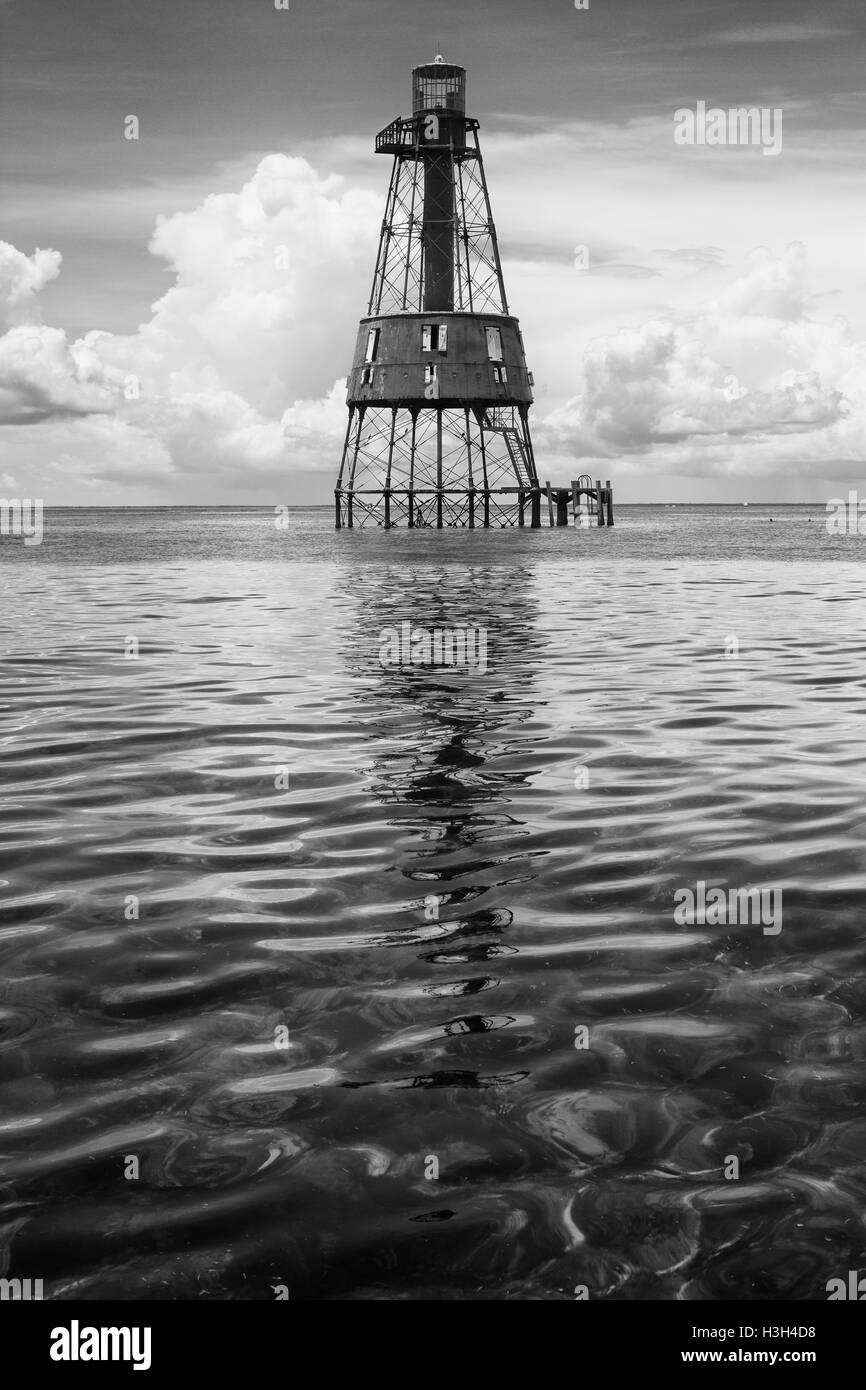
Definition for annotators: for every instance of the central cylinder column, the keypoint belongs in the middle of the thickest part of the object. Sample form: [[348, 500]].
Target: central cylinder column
[[438, 233]]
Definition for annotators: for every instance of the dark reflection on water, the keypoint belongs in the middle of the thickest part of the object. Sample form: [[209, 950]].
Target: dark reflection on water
[[426, 917]]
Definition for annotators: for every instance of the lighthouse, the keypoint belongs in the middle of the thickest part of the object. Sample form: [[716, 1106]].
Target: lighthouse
[[439, 393]]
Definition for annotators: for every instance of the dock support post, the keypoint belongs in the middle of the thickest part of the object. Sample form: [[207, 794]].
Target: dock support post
[[561, 506], [575, 502], [549, 502], [339, 519], [536, 509], [600, 503], [609, 503], [472, 509], [521, 502]]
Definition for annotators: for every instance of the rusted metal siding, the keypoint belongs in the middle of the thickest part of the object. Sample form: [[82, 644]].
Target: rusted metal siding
[[465, 372]]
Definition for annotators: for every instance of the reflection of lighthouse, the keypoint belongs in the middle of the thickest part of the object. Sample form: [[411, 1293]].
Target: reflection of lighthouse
[[453, 759], [439, 393]]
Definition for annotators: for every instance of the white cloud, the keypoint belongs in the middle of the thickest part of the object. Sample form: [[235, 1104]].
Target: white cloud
[[41, 375], [748, 381], [232, 378], [21, 279], [782, 32], [229, 386]]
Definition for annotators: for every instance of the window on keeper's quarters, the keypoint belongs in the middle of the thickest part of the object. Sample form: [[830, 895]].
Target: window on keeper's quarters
[[434, 337], [372, 345], [494, 344]]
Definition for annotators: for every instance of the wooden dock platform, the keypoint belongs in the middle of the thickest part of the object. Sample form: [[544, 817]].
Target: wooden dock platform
[[598, 508]]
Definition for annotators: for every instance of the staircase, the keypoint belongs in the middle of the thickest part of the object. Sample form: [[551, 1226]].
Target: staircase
[[497, 422]]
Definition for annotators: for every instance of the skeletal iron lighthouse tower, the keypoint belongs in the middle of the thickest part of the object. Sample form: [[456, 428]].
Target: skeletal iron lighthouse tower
[[439, 394]]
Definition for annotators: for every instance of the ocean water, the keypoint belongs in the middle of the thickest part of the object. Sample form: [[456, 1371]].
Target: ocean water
[[353, 980]]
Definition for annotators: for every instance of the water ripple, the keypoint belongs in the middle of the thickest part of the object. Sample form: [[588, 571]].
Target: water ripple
[[369, 982]]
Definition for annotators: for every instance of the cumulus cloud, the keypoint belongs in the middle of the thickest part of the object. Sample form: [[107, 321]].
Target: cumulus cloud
[[234, 371], [748, 381], [41, 376], [21, 279], [233, 382]]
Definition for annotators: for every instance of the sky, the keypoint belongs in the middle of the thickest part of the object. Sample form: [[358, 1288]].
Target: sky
[[178, 312]]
